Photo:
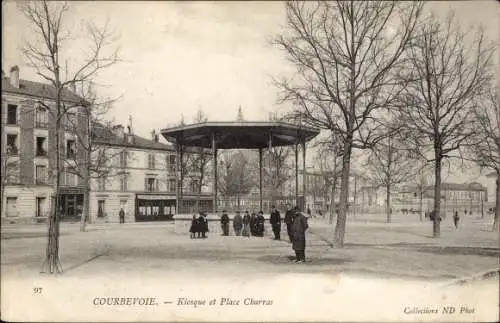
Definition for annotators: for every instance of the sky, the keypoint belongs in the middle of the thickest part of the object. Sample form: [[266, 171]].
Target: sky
[[178, 57]]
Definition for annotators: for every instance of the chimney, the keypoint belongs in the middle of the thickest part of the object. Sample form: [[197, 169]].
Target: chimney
[[14, 76], [154, 136]]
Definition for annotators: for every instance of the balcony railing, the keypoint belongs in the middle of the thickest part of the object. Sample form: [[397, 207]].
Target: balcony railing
[[41, 153], [12, 150]]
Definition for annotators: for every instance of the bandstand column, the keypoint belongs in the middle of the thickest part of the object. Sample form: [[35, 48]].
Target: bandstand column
[[304, 174], [214, 156], [296, 174], [260, 178]]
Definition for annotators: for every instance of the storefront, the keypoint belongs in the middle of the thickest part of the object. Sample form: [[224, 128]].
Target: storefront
[[154, 207], [70, 204]]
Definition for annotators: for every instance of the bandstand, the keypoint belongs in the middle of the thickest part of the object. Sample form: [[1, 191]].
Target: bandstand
[[240, 135]]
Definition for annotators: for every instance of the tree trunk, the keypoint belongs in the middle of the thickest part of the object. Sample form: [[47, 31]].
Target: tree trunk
[[333, 208], [388, 202], [496, 225], [344, 193], [51, 263], [436, 228], [421, 204], [86, 210]]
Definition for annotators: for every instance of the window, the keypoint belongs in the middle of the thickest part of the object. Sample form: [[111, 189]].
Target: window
[[171, 185], [12, 144], [41, 146], [42, 117], [101, 181], [41, 174], [150, 184], [123, 159], [194, 185], [151, 161], [12, 172], [70, 177], [12, 114], [101, 208], [124, 182], [70, 148], [171, 163], [71, 121]]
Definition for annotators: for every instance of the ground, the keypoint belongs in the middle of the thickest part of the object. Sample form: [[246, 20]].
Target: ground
[[388, 269]]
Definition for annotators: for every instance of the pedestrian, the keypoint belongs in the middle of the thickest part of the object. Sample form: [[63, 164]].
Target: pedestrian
[[246, 225], [194, 227], [289, 221], [275, 221], [224, 222], [122, 216], [456, 219], [253, 224], [203, 223], [308, 212], [237, 223], [299, 228], [259, 226]]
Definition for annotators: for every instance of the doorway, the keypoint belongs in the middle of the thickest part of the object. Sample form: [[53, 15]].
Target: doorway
[[40, 202], [11, 206]]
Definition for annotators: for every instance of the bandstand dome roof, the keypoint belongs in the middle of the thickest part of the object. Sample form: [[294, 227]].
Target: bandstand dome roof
[[239, 135]]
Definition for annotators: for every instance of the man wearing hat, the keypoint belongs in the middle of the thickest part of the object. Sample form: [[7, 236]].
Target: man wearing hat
[[275, 221], [299, 228]]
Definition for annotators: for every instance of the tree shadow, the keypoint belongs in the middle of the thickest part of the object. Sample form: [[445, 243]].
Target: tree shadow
[[477, 251]]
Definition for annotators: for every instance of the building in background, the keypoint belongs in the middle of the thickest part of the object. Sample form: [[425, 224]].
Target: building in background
[[470, 197], [140, 177], [28, 150]]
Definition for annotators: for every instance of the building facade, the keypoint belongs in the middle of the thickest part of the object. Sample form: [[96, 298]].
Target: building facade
[[141, 178], [29, 145]]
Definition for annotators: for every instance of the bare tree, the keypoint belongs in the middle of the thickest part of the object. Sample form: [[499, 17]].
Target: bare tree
[[200, 160], [389, 165], [45, 54], [345, 54], [485, 147], [328, 158], [422, 185], [446, 72], [236, 175]]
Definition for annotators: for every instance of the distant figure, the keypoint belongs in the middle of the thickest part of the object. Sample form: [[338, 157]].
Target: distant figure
[[253, 224], [456, 218], [122, 216], [246, 225], [289, 221], [308, 212], [465, 211], [237, 223], [299, 228], [203, 225], [194, 227], [275, 221], [224, 222], [259, 226]]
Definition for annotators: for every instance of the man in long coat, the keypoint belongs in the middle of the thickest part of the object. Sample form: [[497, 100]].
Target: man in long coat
[[237, 223], [224, 222], [299, 228], [246, 224], [275, 221], [260, 220], [289, 221]]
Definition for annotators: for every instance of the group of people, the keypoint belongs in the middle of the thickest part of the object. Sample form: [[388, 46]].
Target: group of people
[[253, 225], [245, 225], [199, 226]]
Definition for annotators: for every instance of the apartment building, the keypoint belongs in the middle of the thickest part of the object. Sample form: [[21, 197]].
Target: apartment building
[[141, 179], [28, 146]]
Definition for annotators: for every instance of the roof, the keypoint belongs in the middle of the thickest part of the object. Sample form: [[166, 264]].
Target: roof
[[242, 135], [104, 135], [38, 89]]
